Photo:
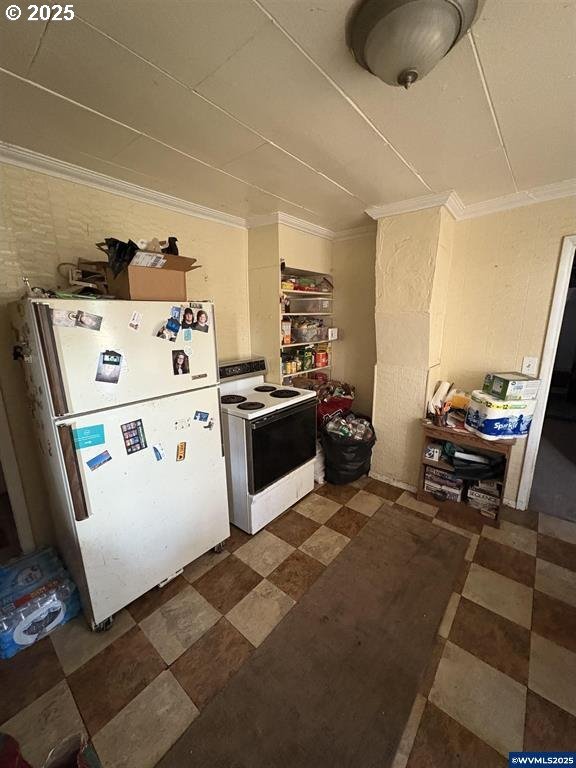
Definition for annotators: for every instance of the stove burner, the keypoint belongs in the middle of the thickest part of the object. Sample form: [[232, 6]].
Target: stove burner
[[251, 405], [285, 393], [228, 399], [265, 388]]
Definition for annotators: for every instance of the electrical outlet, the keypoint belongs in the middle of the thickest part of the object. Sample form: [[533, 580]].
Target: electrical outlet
[[530, 366]]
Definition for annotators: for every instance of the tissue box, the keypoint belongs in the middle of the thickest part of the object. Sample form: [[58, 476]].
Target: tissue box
[[511, 386]]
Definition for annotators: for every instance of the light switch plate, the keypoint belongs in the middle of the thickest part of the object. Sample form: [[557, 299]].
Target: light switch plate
[[530, 366]]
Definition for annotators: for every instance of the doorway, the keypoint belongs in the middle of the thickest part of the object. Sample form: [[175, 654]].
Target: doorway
[[548, 483]]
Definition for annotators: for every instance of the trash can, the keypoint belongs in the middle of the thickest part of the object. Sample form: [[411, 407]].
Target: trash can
[[347, 444]]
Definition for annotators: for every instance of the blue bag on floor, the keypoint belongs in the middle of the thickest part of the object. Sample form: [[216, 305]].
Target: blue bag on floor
[[36, 596]]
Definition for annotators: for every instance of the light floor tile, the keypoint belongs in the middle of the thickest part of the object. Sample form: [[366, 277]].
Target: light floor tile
[[482, 699], [318, 508], [472, 547], [75, 643], [513, 535], [410, 731], [324, 544], [449, 614], [407, 499], [177, 624], [256, 615], [366, 503], [500, 594], [553, 673], [556, 581], [203, 564], [555, 526], [42, 725], [264, 552], [145, 729]]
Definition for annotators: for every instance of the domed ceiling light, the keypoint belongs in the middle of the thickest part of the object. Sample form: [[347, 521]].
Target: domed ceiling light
[[400, 41]]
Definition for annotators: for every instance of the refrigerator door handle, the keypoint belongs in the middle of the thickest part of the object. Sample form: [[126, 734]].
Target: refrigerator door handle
[[73, 472], [42, 312]]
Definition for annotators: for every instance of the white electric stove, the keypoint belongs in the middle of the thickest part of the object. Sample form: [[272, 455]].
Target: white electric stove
[[269, 442]]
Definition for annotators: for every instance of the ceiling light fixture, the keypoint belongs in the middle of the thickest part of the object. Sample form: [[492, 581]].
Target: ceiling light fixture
[[401, 41]]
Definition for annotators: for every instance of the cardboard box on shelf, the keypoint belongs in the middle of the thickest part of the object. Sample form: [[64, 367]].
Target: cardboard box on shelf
[[511, 386], [163, 283]]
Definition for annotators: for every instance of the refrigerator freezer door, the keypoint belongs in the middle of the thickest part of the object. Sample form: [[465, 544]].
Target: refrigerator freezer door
[[106, 353], [153, 484]]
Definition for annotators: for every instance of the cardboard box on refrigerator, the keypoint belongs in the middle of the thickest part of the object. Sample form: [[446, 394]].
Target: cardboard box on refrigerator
[[159, 283]]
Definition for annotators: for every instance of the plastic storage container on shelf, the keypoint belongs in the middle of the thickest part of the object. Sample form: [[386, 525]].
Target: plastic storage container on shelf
[[311, 304], [495, 419]]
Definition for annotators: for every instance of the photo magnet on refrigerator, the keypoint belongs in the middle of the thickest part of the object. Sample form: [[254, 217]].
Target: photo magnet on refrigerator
[[109, 367], [158, 452], [180, 362], [97, 461], [187, 320], [187, 334], [86, 320], [168, 330], [201, 416], [181, 452], [134, 437], [87, 437]]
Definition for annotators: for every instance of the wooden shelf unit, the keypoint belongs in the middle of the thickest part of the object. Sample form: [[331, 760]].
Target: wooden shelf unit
[[432, 433]]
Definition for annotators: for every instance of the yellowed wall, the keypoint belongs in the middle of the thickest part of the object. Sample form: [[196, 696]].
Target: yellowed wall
[[264, 287], [354, 354], [407, 262], [500, 293], [494, 289], [304, 251], [44, 221]]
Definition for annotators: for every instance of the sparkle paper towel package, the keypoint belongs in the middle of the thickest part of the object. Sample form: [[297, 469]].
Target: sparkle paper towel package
[[495, 419]]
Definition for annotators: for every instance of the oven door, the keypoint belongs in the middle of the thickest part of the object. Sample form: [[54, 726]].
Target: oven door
[[279, 443]]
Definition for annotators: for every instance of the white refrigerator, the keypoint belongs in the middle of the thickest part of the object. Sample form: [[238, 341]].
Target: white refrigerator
[[125, 399]]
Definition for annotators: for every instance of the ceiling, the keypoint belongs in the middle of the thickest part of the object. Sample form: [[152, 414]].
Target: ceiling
[[256, 106]]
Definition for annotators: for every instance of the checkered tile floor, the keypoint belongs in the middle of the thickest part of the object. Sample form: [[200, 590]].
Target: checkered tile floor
[[503, 674]]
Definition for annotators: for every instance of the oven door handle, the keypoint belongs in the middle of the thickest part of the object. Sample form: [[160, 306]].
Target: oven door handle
[[282, 414]]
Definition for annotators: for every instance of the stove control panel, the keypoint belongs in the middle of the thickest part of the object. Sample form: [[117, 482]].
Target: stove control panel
[[241, 368]]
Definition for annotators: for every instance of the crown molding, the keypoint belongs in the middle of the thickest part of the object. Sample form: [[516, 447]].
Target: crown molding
[[459, 211], [34, 161], [449, 199], [289, 221], [355, 232]]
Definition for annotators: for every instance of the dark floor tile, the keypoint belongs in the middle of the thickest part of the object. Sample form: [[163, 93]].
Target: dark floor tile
[[384, 490], [293, 527], [236, 539], [339, 493], [26, 676], [429, 674], [554, 620], [525, 517], [205, 668], [461, 516], [227, 583], [296, 574], [441, 742], [156, 597], [506, 561], [548, 728], [347, 521], [492, 638], [556, 551], [110, 680], [411, 512]]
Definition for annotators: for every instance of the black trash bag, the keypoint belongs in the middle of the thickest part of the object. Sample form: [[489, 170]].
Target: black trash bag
[[346, 459]]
